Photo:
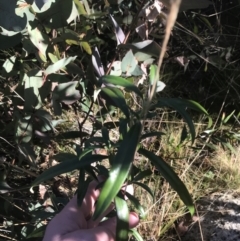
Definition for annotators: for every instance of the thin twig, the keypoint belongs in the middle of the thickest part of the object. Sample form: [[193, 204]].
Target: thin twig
[[199, 224], [171, 19]]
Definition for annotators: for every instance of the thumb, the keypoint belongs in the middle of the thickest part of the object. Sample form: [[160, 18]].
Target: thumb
[[111, 223], [106, 231]]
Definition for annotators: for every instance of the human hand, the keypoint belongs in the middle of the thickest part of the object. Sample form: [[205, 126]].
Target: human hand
[[74, 223]]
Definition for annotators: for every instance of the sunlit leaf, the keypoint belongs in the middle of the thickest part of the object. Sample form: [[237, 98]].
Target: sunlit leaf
[[148, 47], [85, 45], [24, 129], [116, 68], [129, 63], [38, 37], [120, 36], [142, 56], [59, 65], [8, 65], [33, 81], [53, 57], [80, 7], [153, 76], [118, 81], [96, 61], [136, 235], [226, 119], [119, 170], [122, 219]]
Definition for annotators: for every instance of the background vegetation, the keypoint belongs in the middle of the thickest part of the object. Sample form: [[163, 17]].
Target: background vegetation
[[75, 87]]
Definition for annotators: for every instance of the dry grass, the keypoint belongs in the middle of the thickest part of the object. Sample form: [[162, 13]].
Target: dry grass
[[210, 172]]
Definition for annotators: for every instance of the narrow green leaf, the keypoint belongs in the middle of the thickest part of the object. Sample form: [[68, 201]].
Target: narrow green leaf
[[153, 76], [136, 204], [123, 128], [191, 105], [136, 234], [66, 166], [145, 187], [117, 97], [184, 135], [225, 120], [180, 108], [173, 179], [85, 45], [120, 169], [86, 151], [118, 81], [230, 147], [142, 175], [80, 7], [82, 187], [122, 219], [105, 135], [24, 129], [37, 233]]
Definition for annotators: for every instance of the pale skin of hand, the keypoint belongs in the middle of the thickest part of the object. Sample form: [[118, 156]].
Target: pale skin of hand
[[73, 223]]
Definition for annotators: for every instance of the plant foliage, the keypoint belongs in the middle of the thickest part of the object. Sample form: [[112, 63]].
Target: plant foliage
[[74, 55]]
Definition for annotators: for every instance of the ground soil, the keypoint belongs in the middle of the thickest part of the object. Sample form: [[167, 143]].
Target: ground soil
[[219, 219]]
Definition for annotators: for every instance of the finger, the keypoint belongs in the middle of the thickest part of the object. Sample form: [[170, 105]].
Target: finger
[[96, 234], [89, 200], [94, 223], [133, 221], [106, 231], [74, 216]]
